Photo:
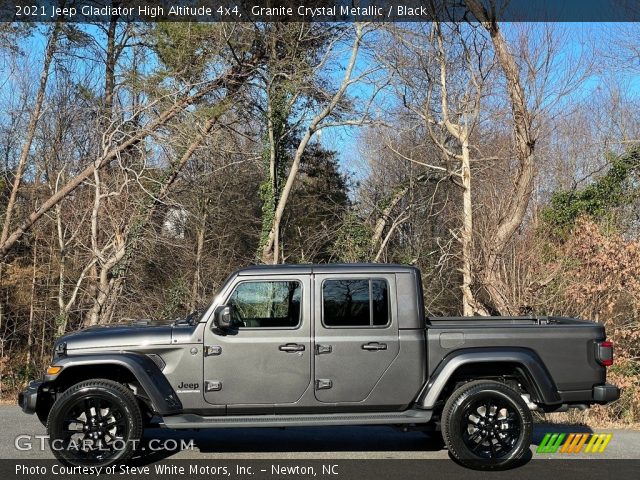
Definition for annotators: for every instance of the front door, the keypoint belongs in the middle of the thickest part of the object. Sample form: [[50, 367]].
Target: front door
[[265, 358], [356, 335]]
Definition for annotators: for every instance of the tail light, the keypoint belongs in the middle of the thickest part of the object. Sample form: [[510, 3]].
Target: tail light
[[604, 353]]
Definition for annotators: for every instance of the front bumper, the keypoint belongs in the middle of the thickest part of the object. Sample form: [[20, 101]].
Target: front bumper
[[28, 399], [605, 393]]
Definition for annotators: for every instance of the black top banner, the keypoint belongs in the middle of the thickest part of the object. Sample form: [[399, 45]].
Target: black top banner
[[86, 11]]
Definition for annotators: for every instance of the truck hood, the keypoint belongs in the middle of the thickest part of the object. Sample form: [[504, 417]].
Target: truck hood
[[117, 336]]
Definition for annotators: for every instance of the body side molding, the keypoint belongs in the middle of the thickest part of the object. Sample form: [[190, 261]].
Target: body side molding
[[189, 421]]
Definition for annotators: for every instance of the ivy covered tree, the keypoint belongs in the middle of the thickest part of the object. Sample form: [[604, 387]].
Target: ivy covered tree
[[291, 85], [601, 199]]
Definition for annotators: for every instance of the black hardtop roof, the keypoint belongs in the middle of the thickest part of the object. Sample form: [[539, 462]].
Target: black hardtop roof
[[286, 269]]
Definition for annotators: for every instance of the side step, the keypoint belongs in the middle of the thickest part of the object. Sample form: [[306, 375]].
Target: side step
[[305, 420]]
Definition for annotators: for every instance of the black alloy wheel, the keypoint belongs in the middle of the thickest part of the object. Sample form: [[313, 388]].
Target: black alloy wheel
[[487, 425], [490, 427], [97, 422]]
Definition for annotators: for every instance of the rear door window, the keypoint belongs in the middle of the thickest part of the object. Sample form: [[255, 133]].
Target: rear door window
[[355, 303]]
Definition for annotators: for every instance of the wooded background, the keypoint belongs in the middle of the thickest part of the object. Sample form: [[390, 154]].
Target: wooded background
[[142, 163]]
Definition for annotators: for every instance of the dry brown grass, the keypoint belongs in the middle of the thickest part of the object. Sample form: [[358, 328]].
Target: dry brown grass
[[593, 417]]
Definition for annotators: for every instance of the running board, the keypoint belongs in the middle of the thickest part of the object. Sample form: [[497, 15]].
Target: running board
[[305, 420]]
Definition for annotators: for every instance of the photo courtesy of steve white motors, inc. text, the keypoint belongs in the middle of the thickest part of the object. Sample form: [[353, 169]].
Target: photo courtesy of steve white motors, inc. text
[[161, 469]]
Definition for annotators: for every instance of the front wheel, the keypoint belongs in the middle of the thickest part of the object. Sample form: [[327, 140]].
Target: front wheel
[[486, 425], [96, 422]]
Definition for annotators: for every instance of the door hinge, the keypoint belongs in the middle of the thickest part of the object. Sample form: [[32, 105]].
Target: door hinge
[[210, 350], [323, 384], [212, 385], [320, 349]]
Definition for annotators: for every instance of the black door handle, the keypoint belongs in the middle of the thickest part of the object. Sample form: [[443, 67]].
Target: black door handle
[[291, 347], [374, 346]]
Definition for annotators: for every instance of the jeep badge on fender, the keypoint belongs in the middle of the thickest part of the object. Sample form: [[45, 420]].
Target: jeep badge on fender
[[189, 386]]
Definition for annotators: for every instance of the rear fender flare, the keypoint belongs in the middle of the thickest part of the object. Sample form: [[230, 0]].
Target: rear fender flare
[[538, 376]]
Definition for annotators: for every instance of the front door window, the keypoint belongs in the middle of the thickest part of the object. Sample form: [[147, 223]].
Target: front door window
[[266, 305]]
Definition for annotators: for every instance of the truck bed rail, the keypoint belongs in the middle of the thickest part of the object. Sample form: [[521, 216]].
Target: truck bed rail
[[525, 320]]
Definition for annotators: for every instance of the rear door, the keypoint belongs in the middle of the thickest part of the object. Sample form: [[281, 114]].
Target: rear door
[[356, 334]]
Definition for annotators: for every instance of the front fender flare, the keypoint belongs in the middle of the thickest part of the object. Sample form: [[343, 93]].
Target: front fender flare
[[538, 376], [162, 396]]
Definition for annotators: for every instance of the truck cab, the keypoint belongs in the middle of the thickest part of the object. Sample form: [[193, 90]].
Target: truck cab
[[323, 338]]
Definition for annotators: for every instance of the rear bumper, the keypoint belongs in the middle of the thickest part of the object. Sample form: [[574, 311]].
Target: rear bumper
[[28, 398], [605, 393]]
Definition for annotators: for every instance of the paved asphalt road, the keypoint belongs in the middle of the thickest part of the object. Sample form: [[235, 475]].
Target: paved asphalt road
[[297, 443]]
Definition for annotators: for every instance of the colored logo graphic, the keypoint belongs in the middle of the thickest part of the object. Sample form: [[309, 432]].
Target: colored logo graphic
[[574, 443]]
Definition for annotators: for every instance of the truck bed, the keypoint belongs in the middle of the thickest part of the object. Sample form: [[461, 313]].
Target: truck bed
[[561, 344]]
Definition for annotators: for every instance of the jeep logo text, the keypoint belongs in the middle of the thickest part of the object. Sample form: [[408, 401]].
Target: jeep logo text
[[190, 386]]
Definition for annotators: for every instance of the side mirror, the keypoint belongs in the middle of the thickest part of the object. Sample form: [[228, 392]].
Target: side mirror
[[223, 318]]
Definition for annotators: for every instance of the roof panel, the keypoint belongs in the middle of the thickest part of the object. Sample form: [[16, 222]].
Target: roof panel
[[286, 269]]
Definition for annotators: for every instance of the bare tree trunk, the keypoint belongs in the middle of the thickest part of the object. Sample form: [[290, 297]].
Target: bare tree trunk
[[278, 111], [64, 305], [377, 242], [385, 215], [31, 130], [110, 67], [270, 251], [34, 266], [525, 149], [105, 282], [111, 302], [383, 245], [466, 236], [461, 131], [94, 314], [106, 285], [195, 285], [61, 323]]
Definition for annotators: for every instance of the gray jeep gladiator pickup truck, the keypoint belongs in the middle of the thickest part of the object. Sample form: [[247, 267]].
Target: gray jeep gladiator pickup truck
[[307, 345]]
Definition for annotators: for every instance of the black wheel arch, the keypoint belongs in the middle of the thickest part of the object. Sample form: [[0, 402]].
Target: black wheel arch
[[521, 365], [126, 368]]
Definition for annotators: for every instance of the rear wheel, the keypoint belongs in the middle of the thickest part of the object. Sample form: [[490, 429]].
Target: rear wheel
[[487, 425], [97, 422]]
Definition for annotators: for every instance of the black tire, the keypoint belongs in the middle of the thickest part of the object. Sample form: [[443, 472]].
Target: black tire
[[96, 422], [486, 425]]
